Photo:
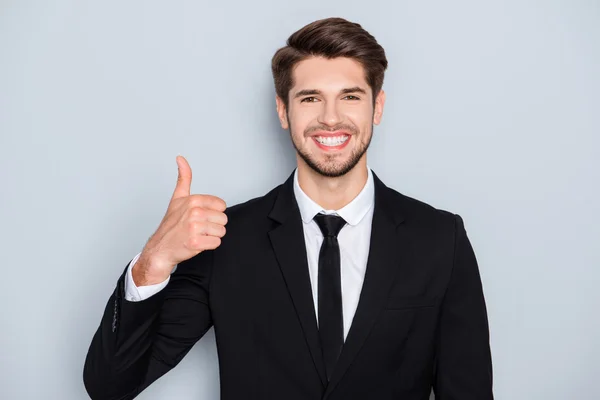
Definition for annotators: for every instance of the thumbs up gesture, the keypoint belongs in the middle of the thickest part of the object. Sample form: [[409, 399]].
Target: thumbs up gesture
[[192, 224]]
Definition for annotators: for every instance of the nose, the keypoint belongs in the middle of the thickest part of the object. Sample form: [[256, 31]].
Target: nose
[[329, 114]]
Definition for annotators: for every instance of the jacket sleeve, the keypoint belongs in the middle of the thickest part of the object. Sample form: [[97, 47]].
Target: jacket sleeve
[[138, 342], [463, 364]]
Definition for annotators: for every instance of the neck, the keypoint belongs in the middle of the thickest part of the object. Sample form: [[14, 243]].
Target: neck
[[332, 193]]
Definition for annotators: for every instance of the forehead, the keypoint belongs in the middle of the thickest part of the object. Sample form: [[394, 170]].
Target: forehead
[[335, 73]]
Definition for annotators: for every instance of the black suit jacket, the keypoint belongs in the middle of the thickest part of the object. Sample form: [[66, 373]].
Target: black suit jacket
[[421, 320]]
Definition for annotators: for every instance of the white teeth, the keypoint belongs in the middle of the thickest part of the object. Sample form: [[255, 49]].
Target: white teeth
[[331, 141]]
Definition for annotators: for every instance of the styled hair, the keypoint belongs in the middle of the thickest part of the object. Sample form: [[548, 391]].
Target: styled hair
[[329, 38]]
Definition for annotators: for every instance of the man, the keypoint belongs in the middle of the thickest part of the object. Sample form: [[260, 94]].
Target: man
[[331, 286]]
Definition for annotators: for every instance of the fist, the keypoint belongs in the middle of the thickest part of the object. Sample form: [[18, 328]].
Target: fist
[[192, 224]]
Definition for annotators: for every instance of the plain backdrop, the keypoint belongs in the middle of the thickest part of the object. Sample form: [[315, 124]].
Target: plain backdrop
[[492, 112]]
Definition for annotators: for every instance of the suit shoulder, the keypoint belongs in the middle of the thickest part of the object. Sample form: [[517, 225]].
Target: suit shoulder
[[421, 212]]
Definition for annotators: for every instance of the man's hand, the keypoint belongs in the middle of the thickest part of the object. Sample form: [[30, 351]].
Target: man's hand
[[192, 224]]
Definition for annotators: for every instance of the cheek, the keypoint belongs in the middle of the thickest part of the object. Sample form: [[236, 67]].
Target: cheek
[[359, 114], [298, 130], [299, 123], [361, 117]]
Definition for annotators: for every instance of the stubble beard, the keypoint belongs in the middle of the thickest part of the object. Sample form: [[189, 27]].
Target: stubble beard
[[329, 168]]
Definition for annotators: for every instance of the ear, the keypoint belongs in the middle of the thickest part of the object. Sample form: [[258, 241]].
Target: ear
[[378, 109], [281, 112]]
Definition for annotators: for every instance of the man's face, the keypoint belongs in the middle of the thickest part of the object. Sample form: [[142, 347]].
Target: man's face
[[330, 114]]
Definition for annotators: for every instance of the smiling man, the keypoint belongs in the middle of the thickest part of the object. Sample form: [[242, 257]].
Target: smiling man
[[330, 111], [331, 286]]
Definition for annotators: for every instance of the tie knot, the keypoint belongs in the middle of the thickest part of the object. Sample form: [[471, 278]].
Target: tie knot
[[330, 224]]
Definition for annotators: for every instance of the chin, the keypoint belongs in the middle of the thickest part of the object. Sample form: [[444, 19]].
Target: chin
[[331, 170]]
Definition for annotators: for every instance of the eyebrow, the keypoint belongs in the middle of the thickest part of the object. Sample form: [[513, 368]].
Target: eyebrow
[[311, 92]]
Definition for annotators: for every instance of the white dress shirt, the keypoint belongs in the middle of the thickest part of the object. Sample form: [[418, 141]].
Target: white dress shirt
[[354, 240]]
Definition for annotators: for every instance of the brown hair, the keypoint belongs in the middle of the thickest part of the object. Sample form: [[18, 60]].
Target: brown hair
[[329, 38]]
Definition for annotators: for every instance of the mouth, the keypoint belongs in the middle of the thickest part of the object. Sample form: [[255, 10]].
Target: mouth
[[335, 141]]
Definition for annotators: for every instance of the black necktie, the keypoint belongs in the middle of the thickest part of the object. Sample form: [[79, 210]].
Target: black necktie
[[331, 325]]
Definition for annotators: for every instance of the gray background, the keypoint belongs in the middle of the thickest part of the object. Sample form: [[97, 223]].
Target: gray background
[[492, 113]]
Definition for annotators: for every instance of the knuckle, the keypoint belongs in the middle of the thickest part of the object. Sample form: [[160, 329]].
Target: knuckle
[[193, 242], [197, 212], [195, 227], [195, 200]]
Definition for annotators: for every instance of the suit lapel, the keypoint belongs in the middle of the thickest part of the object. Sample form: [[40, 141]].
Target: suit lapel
[[289, 246], [385, 252]]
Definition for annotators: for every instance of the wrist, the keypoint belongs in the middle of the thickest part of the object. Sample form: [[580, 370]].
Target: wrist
[[147, 271]]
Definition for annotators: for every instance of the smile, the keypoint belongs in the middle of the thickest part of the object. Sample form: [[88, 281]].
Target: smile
[[331, 141]]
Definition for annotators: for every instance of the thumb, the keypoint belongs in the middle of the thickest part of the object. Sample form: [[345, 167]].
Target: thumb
[[184, 178]]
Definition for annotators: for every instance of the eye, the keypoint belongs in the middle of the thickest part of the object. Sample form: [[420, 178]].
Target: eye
[[351, 97], [308, 100]]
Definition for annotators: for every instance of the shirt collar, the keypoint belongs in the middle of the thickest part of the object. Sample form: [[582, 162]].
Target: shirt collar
[[352, 212]]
